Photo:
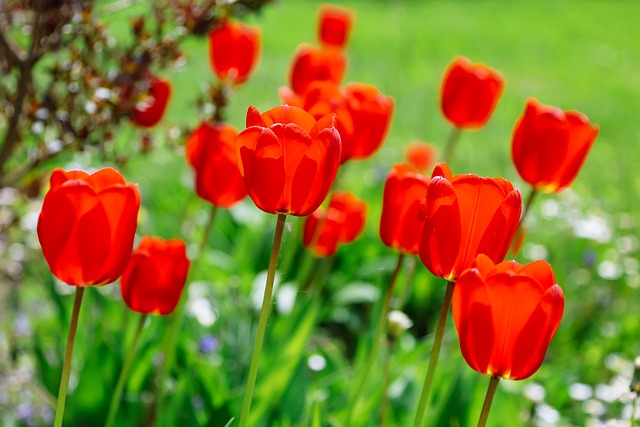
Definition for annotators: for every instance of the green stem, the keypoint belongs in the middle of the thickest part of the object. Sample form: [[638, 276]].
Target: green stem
[[66, 367], [175, 321], [527, 205], [488, 399], [207, 229], [449, 148], [633, 410], [384, 404], [262, 321], [373, 353], [117, 396], [435, 353]]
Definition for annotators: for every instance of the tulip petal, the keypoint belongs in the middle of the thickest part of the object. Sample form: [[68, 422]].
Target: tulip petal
[[498, 234], [285, 114], [475, 327], [261, 163], [441, 238]]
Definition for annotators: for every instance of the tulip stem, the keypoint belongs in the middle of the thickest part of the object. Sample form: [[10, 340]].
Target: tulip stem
[[527, 205], [207, 229], [66, 367], [384, 404], [375, 345], [488, 399], [262, 321], [451, 143], [435, 353], [117, 396]]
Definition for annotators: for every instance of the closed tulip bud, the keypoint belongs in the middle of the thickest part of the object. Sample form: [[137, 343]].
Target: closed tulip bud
[[211, 151], [234, 50], [341, 223], [549, 146], [288, 160], [150, 108], [371, 114], [420, 155], [401, 223], [506, 316], [467, 215], [153, 281], [87, 226], [335, 26], [470, 93], [311, 64]]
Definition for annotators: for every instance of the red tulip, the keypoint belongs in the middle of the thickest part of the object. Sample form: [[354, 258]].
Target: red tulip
[[550, 145], [401, 224], [342, 222], [155, 276], [420, 155], [370, 113], [211, 151], [470, 93], [335, 26], [312, 64], [87, 225], [234, 49], [467, 215], [363, 114], [149, 110], [288, 160], [506, 316]]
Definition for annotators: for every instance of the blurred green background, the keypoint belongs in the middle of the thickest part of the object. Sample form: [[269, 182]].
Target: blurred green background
[[577, 55]]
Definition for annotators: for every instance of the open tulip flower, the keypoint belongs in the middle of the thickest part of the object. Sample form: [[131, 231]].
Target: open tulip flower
[[401, 223], [550, 145], [335, 25], [470, 93], [211, 151], [342, 222], [467, 215], [234, 50], [87, 226], [150, 108], [288, 159], [506, 316], [155, 276], [312, 64]]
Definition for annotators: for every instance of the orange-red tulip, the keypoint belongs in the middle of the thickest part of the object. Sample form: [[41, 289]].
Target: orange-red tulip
[[155, 276], [420, 155], [288, 160], [312, 64], [234, 50], [342, 222], [211, 151], [506, 316], [401, 223], [470, 93], [335, 25], [550, 145], [467, 215], [87, 225], [363, 114], [149, 110], [371, 114]]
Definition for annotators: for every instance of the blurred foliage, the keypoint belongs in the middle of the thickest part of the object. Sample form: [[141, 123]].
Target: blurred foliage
[[585, 61]]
